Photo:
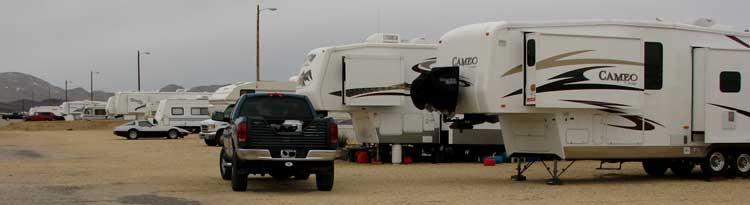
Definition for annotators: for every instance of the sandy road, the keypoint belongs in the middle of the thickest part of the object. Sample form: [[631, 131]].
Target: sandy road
[[95, 167]]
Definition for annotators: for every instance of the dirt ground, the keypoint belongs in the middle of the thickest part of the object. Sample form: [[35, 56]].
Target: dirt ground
[[60, 125], [96, 167]]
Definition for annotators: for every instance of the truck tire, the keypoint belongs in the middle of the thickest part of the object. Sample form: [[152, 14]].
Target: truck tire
[[210, 142], [173, 134], [324, 180], [682, 168], [655, 167], [132, 134], [226, 171], [715, 164], [741, 164], [239, 179]]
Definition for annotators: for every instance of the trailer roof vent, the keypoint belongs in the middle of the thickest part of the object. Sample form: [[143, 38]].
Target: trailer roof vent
[[383, 38], [704, 22]]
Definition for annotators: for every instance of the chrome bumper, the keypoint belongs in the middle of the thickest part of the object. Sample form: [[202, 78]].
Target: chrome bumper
[[207, 136], [264, 154]]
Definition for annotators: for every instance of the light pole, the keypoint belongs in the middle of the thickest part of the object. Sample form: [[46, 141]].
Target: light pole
[[139, 66], [67, 106], [257, 38], [92, 85]]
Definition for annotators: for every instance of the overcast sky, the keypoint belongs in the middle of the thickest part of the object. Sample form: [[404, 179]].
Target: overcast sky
[[200, 42]]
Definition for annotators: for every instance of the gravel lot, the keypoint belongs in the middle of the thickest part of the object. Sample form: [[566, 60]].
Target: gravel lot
[[96, 167]]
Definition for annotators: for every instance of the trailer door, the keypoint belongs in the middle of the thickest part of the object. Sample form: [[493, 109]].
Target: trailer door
[[574, 71], [373, 80], [727, 102]]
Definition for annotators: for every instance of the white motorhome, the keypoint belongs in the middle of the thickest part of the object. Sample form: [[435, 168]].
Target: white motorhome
[[667, 94], [139, 105], [228, 95], [93, 112], [183, 113], [371, 81]]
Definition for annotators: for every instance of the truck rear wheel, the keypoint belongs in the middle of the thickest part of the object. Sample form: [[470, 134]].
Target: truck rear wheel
[[715, 164], [239, 179], [741, 164], [655, 167], [324, 180], [225, 167]]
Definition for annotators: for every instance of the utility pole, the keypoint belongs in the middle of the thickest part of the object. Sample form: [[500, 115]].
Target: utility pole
[[92, 85], [139, 67], [257, 38]]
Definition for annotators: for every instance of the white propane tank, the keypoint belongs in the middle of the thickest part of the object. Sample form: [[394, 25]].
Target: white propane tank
[[396, 154]]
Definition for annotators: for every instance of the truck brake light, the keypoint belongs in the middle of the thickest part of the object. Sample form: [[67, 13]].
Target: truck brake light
[[275, 95], [333, 131], [242, 131]]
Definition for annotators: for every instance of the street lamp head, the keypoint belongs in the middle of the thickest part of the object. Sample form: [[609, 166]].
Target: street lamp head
[[270, 9], [147, 53]]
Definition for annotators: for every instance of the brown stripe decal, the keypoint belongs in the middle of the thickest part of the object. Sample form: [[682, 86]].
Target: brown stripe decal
[[738, 40], [555, 61]]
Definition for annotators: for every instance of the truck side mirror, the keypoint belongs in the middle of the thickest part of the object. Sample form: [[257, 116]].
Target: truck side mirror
[[218, 116]]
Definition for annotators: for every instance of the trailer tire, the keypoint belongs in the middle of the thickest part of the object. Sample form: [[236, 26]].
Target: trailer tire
[[741, 164], [655, 167], [715, 163], [239, 179], [226, 172], [682, 168]]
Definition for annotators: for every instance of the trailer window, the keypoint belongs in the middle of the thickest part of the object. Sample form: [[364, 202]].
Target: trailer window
[[730, 82], [653, 65], [531, 52], [199, 111], [178, 111], [100, 112]]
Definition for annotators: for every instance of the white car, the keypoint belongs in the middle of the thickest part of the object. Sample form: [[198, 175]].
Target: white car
[[144, 128]]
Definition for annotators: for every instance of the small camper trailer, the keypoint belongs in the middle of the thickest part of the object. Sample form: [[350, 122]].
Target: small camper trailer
[[669, 95], [139, 105], [183, 113]]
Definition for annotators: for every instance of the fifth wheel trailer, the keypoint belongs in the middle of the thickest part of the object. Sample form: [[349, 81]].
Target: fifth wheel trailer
[[669, 95], [371, 82]]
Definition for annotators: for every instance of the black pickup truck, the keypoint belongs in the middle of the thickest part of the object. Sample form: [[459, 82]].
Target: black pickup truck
[[280, 135]]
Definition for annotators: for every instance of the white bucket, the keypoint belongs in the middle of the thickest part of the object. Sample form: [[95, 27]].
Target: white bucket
[[396, 154]]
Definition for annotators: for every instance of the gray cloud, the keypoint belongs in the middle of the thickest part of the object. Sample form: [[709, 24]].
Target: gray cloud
[[196, 42]]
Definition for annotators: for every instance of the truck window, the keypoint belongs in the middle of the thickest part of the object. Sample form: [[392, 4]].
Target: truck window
[[178, 111], [653, 65], [276, 107]]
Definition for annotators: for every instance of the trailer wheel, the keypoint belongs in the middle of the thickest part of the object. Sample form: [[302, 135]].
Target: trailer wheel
[[682, 168], [715, 164], [655, 167], [741, 164]]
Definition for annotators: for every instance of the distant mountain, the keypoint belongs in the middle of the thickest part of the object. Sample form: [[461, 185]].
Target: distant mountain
[[15, 86], [206, 88], [171, 88]]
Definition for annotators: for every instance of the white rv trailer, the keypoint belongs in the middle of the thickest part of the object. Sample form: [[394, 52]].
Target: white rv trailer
[[370, 81], [228, 95], [93, 112], [72, 110], [56, 110], [138, 105], [667, 94], [182, 113]]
